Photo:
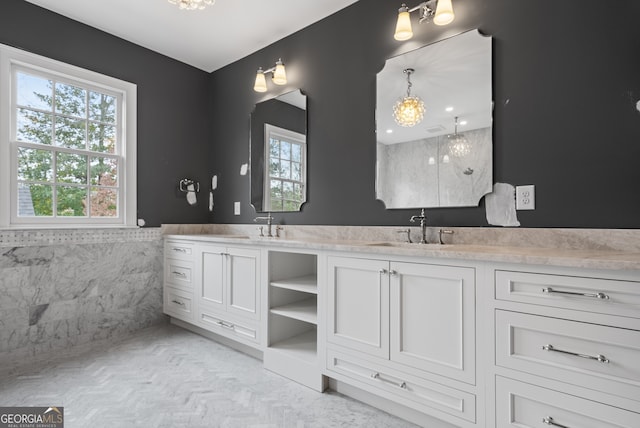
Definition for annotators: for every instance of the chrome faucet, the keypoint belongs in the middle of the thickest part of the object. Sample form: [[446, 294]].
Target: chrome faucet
[[269, 219], [423, 225]]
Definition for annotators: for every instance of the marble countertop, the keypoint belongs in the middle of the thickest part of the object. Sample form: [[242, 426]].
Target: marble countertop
[[587, 259]]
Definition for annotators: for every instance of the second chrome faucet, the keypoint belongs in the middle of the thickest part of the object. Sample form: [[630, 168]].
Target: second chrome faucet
[[423, 225]]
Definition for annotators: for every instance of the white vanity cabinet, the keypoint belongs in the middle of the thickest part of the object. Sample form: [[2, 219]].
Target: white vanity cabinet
[[227, 289], [178, 290], [404, 330], [567, 348]]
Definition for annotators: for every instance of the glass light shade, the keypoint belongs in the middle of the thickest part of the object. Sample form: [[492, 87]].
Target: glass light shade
[[445, 159], [403, 25], [444, 13], [280, 75], [458, 145], [192, 4], [261, 82], [408, 111]]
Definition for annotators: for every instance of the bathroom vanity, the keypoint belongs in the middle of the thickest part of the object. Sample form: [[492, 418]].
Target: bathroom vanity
[[451, 335]]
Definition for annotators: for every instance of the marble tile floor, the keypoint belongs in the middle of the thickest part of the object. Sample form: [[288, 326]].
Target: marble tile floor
[[165, 376]]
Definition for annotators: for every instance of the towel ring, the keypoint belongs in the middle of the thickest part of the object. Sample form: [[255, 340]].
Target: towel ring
[[186, 182]]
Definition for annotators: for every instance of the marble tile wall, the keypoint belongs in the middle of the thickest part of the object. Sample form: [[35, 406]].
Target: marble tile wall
[[68, 287]]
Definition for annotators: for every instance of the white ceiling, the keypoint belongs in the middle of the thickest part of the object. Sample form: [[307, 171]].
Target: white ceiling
[[207, 39]]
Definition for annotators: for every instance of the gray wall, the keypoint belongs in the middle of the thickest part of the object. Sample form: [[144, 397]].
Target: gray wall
[[566, 81]]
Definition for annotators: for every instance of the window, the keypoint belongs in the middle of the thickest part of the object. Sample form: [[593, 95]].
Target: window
[[67, 144], [286, 181]]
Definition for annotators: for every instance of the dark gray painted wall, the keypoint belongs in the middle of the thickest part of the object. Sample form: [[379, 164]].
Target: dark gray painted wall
[[173, 131], [565, 86], [566, 80]]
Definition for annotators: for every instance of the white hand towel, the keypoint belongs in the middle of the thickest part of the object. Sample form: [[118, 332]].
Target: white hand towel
[[191, 194]]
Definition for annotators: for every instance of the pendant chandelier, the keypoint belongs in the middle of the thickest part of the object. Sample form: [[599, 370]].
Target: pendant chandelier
[[408, 111], [192, 4], [458, 144]]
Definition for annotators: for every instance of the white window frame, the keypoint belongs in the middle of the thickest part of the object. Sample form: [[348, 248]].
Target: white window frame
[[293, 137], [12, 59]]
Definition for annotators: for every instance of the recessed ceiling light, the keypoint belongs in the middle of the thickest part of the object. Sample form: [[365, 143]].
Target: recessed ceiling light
[[449, 109], [389, 131], [463, 122]]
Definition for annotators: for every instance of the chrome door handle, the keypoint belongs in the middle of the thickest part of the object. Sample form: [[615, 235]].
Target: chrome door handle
[[383, 271], [600, 296], [178, 303], [549, 421], [393, 272], [600, 358]]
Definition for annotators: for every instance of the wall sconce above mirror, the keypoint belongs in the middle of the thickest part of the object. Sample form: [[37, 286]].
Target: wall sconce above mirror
[[278, 153], [445, 160], [441, 11], [278, 76]]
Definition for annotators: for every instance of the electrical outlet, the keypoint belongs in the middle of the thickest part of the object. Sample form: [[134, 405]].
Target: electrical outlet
[[236, 208], [526, 197]]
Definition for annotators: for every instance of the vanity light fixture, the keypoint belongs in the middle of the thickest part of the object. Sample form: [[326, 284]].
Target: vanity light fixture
[[408, 111], [458, 144], [192, 4], [279, 76], [440, 10]]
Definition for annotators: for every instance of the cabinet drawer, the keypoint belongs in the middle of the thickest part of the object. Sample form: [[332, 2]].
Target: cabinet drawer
[[226, 326], [593, 356], [178, 250], [604, 296], [523, 405], [179, 273], [177, 303], [403, 387]]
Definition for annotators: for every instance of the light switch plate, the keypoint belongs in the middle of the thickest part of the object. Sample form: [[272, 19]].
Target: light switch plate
[[526, 197], [236, 208]]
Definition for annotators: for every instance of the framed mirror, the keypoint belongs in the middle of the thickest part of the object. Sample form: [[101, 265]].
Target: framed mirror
[[278, 153], [441, 156]]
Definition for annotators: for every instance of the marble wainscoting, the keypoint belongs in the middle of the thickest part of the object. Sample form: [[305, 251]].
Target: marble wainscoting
[[60, 288]]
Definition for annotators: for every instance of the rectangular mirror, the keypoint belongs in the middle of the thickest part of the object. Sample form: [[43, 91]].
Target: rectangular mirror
[[438, 153], [278, 153]]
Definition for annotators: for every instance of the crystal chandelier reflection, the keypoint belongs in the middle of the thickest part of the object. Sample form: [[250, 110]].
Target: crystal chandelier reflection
[[408, 111], [458, 144], [192, 4]]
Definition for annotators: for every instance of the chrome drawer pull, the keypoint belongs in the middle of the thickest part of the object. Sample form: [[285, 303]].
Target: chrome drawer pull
[[225, 325], [182, 274], [376, 375], [178, 303], [600, 358], [549, 421], [180, 250], [601, 296]]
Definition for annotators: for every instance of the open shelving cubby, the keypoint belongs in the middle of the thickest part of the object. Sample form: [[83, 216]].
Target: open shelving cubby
[[292, 333]]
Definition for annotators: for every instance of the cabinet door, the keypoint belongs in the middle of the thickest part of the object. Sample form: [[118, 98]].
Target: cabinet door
[[433, 318], [211, 268], [243, 282], [358, 304]]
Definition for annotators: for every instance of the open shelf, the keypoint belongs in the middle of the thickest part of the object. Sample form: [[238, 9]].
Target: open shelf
[[306, 284], [303, 310], [302, 346]]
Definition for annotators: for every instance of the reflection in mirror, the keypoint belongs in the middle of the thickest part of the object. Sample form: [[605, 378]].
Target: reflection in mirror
[[278, 153], [444, 160]]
